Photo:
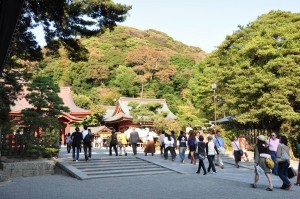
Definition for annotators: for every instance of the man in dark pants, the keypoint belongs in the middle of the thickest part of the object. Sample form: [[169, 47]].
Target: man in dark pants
[[87, 137], [113, 143], [161, 141], [134, 138]]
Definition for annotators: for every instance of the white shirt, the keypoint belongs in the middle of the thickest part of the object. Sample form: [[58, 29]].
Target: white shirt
[[84, 133], [211, 148], [169, 142]]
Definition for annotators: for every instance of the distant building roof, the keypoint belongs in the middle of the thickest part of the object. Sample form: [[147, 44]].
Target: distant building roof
[[65, 94], [122, 110]]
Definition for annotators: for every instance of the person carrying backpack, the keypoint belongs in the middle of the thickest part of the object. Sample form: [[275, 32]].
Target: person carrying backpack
[[87, 139]]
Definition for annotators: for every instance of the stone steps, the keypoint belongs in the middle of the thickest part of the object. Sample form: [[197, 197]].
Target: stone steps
[[107, 167]]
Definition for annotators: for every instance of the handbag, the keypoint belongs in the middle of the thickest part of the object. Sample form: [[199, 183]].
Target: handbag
[[270, 163], [221, 149], [284, 155], [291, 172], [240, 150]]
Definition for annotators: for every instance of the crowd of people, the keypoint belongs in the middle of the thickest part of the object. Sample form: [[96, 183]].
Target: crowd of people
[[274, 149]]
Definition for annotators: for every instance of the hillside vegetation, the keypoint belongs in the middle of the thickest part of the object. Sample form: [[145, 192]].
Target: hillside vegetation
[[127, 62]]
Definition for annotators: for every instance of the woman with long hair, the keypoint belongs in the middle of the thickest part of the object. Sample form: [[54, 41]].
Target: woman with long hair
[[192, 146]]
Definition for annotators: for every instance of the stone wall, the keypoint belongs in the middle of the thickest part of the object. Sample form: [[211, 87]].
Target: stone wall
[[27, 168]]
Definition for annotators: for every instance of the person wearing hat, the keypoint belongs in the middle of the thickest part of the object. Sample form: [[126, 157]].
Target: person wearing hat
[[261, 152]]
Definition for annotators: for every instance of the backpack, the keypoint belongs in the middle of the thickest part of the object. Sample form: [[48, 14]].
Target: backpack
[[87, 138], [191, 142], [114, 139]]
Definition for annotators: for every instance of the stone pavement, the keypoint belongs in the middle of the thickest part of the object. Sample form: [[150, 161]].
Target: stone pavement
[[230, 182]]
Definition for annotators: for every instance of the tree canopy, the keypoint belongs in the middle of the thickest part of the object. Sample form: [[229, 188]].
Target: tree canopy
[[64, 22], [257, 73]]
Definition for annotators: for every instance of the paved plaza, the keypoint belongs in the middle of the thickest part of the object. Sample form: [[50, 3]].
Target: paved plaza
[[228, 183]]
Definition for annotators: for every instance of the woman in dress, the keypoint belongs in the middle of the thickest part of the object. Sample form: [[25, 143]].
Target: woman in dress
[[283, 163], [150, 145], [236, 151], [262, 152], [192, 146]]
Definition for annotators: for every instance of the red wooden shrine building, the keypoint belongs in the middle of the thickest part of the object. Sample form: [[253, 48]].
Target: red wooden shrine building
[[75, 115]]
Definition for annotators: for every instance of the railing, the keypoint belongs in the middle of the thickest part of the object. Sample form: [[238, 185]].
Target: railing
[[12, 145]]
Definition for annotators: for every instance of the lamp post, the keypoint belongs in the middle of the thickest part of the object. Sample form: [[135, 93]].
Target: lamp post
[[214, 87]]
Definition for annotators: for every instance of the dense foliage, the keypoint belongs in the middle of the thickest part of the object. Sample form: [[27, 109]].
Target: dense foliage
[[41, 129], [63, 22], [257, 73], [128, 62]]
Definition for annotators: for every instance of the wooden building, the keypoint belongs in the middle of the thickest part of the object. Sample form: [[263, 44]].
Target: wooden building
[[75, 115], [119, 117]]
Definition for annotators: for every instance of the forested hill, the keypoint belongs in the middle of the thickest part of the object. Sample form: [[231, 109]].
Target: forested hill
[[125, 62]]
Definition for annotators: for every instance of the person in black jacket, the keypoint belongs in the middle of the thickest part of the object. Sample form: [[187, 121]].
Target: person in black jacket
[[113, 142], [201, 153], [76, 143]]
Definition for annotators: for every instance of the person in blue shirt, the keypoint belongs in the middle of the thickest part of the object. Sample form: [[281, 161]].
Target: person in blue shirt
[[182, 139], [220, 145]]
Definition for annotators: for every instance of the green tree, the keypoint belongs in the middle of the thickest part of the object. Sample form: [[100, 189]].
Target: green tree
[[63, 23], [126, 80], [41, 126], [257, 73]]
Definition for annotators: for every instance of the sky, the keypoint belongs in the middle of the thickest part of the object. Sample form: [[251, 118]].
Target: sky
[[200, 23]]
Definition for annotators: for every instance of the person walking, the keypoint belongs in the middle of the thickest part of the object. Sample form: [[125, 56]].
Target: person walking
[[261, 152], [175, 141], [122, 142], [283, 161], [201, 151], [69, 142], [298, 151], [76, 143], [113, 143], [87, 142], [273, 143], [133, 139], [150, 145], [220, 144], [211, 150], [236, 151], [161, 142], [169, 146], [244, 146], [182, 139], [192, 144]]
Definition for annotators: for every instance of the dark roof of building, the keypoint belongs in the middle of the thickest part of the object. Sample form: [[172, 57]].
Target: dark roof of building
[[122, 109]]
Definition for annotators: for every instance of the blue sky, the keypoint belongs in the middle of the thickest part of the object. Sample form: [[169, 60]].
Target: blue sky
[[201, 23]]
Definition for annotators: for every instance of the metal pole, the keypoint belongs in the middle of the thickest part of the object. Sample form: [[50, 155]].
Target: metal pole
[[215, 107]]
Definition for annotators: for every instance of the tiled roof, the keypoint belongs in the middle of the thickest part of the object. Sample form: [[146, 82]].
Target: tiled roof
[[123, 110], [65, 94]]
